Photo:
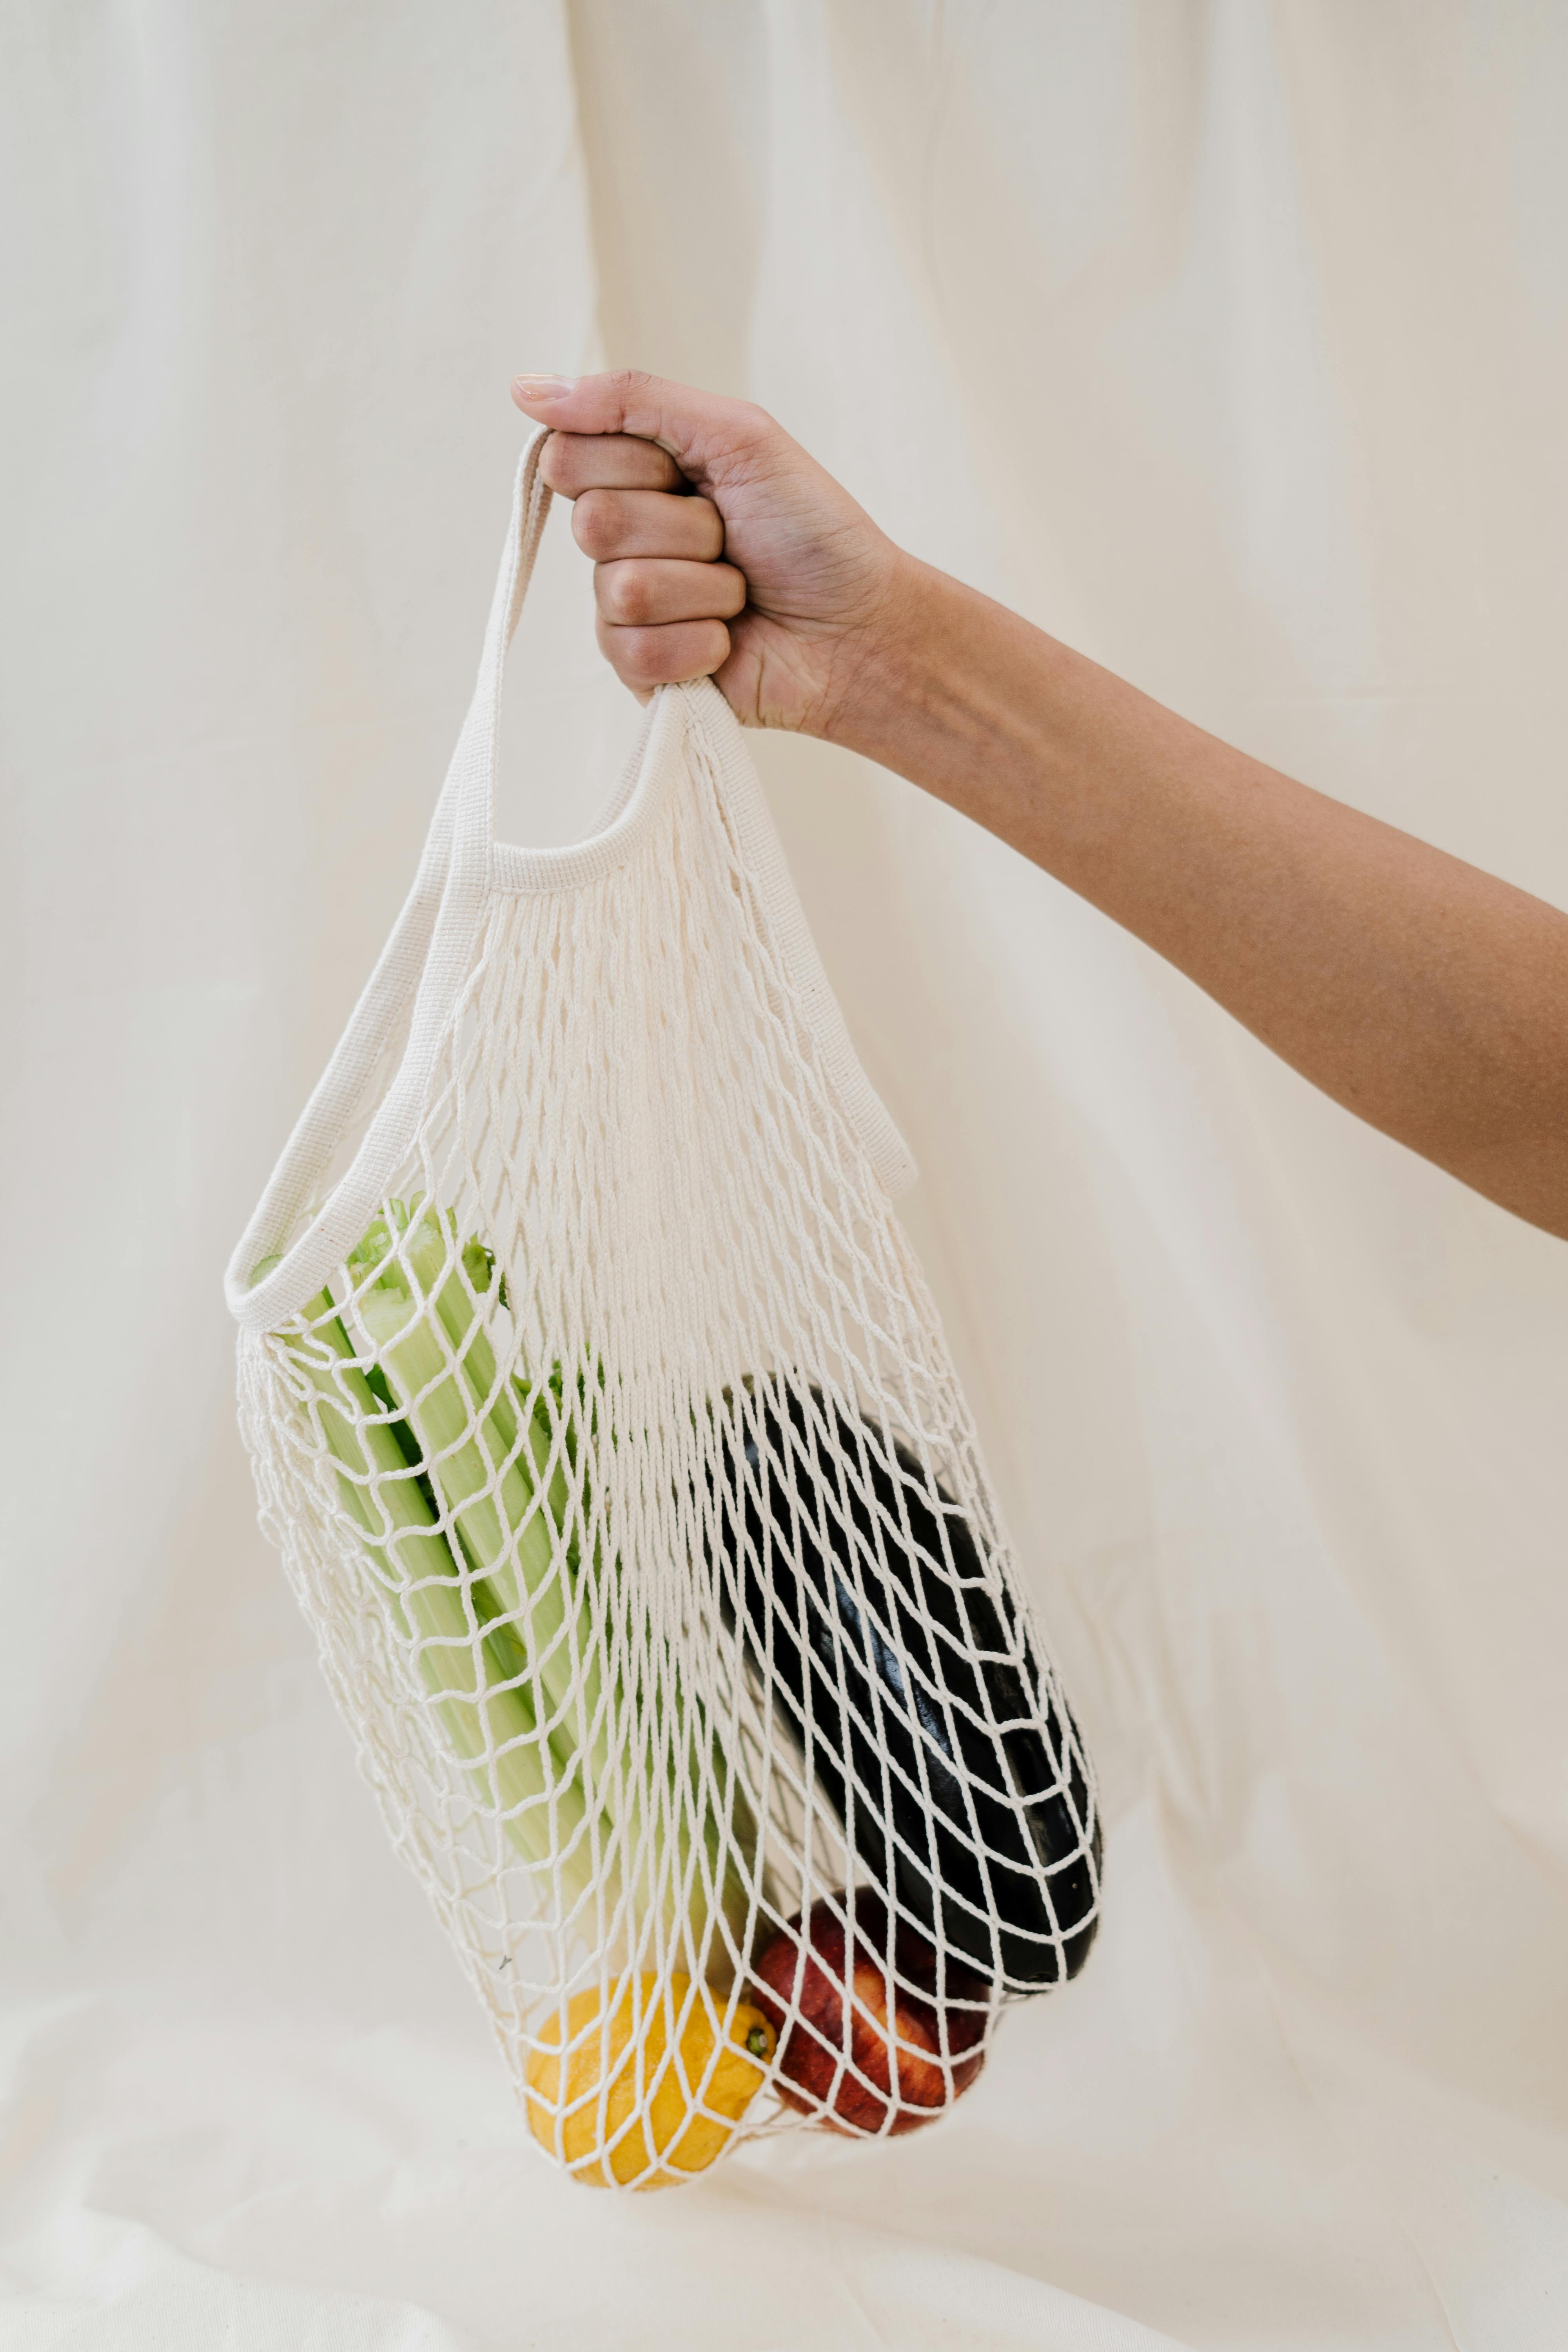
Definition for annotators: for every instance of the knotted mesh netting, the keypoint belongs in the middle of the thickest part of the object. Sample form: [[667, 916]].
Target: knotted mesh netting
[[602, 1416]]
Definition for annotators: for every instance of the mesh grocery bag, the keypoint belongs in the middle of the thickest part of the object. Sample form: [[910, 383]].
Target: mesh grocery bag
[[605, 1426]]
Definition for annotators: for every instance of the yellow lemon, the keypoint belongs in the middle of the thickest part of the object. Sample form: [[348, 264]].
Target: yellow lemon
[[629, 2101]]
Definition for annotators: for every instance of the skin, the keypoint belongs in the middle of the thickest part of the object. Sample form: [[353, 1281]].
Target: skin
[[1427, 997]]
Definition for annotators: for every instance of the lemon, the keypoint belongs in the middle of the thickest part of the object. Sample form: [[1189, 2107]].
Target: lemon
[[629, 2102]]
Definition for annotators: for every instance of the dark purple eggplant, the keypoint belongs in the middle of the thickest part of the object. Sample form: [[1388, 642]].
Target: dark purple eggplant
[[856, 1591]]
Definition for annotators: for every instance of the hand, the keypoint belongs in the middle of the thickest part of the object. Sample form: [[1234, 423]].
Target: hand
[[720, 549]]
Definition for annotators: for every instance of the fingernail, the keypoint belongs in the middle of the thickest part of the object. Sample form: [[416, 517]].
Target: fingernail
[[536, 388]]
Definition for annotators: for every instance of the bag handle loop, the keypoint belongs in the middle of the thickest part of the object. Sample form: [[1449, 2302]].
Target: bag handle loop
[[430, 951]]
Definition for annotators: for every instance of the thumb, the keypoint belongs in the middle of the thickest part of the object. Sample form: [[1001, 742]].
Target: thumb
[[709, 436]]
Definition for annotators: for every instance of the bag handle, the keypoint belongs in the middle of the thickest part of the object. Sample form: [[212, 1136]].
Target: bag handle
[[430, 951]]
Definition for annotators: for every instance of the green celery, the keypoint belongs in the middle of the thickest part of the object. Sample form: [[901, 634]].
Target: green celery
[[469, 1670], [464, 1464]]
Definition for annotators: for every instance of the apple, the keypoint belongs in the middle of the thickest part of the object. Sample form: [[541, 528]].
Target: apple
[[867, 2048]]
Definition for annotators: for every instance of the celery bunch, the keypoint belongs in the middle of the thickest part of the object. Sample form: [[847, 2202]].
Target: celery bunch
[[469, 1495]]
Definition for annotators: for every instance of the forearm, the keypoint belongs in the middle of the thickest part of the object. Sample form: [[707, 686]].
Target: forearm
[[1426, 996]]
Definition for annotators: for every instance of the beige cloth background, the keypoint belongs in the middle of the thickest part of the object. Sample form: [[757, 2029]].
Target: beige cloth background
[[1229, 342]]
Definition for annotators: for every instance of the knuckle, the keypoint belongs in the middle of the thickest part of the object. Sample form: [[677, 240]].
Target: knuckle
[[628, 594], [754, 426], [567, 463], [644, 656], [594, 522], [555, 465]]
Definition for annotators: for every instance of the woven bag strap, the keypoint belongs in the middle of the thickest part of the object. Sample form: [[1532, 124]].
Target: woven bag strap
[[429, 953]]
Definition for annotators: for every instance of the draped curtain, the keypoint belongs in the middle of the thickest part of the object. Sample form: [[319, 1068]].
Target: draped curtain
[[1228, 340]]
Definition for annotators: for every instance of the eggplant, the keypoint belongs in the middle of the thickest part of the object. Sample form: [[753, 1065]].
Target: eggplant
[[856, 1590]]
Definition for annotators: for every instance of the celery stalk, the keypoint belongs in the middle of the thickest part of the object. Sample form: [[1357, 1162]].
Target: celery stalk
[[420, 1312], [491, 1727], [441, 1429], [419, 1315]]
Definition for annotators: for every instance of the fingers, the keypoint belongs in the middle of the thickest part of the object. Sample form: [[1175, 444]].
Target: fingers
[[608, 524], [575, 462], [646, 591], [625, 447], [708, 437], [643, 658], [662, 594]]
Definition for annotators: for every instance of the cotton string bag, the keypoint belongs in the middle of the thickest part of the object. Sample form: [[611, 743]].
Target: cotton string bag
[[602, 1419]]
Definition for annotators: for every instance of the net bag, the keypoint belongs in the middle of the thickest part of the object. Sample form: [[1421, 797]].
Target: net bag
[[601, 1417]]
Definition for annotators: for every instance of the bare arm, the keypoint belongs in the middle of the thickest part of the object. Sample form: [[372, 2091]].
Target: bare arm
[[1426, 996]]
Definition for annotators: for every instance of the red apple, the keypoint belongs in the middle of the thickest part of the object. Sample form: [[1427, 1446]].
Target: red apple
[[858, 2044]]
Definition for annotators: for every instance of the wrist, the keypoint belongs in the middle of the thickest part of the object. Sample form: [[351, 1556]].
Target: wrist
[[978, 708], [890, 667]]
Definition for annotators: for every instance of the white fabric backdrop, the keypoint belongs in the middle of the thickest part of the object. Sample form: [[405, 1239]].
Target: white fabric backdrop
[[1231, 344]]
